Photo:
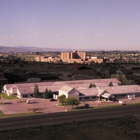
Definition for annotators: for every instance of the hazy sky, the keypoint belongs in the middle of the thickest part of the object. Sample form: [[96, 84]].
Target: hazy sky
[[72, 24]]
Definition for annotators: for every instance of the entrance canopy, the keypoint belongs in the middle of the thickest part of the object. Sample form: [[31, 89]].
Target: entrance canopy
[[106, 95]]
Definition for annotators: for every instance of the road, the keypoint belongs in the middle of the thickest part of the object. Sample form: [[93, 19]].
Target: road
[[63, 117]]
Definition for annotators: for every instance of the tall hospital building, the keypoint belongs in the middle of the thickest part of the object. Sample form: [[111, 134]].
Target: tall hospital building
[[74, 56]]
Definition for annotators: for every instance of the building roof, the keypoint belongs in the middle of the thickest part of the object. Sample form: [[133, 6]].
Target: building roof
[[62, 85], [101, 84], [26, 90], [78, 82], [100, 91], [66, 88], [122, 89], [106, 95], [89, 92]]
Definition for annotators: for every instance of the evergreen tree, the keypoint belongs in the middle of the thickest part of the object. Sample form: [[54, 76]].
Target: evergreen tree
[[36, 91], [45, 93], [110, 84], [49, 94], [93, 85], [90, 86]]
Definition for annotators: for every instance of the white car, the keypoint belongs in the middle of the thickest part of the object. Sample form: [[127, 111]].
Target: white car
[[30, 101]]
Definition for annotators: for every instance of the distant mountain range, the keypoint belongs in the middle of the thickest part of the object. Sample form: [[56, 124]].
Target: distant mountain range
[[5, 49], [14, 49]]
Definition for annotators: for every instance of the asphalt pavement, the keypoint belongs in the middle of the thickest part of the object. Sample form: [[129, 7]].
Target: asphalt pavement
[[63, 117]]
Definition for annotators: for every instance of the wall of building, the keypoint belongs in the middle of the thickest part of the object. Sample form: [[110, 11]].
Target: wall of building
[[74, 56], [87, 98], [72, 93]]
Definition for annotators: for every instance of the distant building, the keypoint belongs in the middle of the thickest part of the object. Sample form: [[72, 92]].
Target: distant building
[[47, 59], [75, 56]]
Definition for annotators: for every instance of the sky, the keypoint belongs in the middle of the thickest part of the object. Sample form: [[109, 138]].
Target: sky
[[71, 24]]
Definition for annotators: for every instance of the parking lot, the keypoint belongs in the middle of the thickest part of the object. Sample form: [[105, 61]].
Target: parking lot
[[20, 106], [47, 106]]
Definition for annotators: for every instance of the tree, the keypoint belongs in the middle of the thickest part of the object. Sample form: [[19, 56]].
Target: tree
[[72, 101], [110, 84], [92, 85], [62, 99], [47, 94], [36, 91], [122, 78]]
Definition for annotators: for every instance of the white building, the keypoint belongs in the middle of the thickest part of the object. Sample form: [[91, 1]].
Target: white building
[[68, 92], [78, 89]]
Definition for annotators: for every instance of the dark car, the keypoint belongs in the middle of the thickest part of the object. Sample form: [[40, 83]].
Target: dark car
[[53, 99], [7, 102]]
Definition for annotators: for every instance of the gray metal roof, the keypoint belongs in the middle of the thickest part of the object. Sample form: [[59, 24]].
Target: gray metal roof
[[26, 91], [55, 86], [66, 88], [106, 95], [122, 89], [101, 84], [89, 92]]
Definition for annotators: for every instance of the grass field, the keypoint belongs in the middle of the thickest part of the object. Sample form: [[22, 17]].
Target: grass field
[[126, 128], [1, 114], [4, 96], [16, 115]]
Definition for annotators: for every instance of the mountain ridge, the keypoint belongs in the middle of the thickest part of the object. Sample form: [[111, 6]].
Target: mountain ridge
[[21, 48], [6, 49]]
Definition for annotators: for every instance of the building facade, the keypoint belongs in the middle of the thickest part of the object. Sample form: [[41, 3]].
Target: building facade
[[78, 89], [75, 56]]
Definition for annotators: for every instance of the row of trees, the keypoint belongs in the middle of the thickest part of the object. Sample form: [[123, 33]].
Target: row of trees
[[92, 85], [122, 78], [46, 94]]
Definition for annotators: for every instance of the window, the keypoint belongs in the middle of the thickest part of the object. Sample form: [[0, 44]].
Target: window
[[93, 97], [25, 96], [86, 97]]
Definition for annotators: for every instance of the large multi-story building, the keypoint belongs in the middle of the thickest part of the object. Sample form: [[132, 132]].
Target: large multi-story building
[[74, 56]]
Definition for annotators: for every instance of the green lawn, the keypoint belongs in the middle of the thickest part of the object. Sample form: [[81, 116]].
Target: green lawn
[[1, 114], [4, 96], [16, 115]]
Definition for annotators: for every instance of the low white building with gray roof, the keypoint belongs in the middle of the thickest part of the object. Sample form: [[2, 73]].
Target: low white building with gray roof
[[79, 89], [88, 94], [122, 91]]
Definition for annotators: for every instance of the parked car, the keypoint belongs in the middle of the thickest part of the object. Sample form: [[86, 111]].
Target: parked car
[[7, 102], [30, 101], [53, 99], [122, 103]]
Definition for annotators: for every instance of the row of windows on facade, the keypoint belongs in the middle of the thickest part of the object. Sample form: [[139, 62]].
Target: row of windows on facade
[[87, 97]]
